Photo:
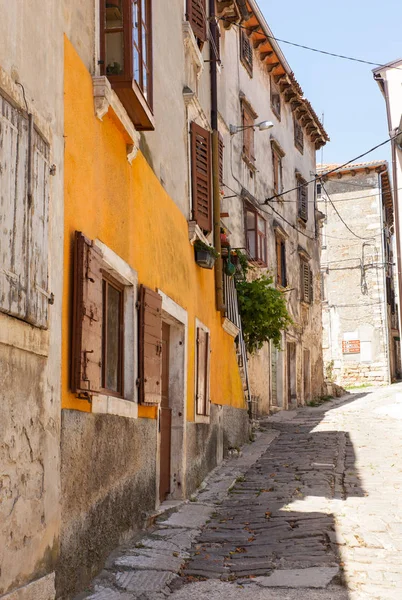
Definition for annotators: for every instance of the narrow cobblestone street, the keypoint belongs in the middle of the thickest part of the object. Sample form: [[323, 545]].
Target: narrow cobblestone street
[[315, 505]]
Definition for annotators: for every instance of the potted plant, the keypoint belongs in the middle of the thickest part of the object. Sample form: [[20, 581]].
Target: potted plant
[[224, 238], [205, 255]]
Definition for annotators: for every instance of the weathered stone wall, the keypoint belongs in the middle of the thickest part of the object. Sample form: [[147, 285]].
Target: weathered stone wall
[[355, 303], [108, 476], [31, 77], [207, 444]]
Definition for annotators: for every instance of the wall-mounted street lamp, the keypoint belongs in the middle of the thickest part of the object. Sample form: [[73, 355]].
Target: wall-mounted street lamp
[[261, 126]]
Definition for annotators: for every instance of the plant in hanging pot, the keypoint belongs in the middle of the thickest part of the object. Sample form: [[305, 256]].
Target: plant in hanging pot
[[224, 238], [205, 255]]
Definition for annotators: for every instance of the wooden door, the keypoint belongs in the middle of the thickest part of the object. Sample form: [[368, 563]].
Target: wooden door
[[165, 419]]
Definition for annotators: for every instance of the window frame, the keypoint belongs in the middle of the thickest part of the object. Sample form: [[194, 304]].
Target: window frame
[[246, 52], [298, 135], [205, 416], [275, 106], [280, 254], [277, 168], [248, 117], [109, 280], [136, 100], [302, 192], [305, 264], [258, 236]]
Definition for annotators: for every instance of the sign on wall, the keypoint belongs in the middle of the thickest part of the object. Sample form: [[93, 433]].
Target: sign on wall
[[351, 347]]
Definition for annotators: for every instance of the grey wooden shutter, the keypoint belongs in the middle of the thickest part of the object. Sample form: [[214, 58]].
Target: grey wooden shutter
[[201, 176], [39, 295], [150, 346], [13, 210], [283, 264], [302, 200], [87, 317], [221, 149], [246, 51], [311, 286], [196, 15], [202, 374], [305, 282]]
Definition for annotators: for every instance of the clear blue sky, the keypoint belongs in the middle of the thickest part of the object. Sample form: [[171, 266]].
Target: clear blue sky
[[353, 107]]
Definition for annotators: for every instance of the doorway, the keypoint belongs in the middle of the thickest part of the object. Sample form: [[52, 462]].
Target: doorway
[[291, 365], [165, 418]]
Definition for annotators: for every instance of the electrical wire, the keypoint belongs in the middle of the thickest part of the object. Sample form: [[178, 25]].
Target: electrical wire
[[341, 218], [341, 200], [271, 37], [338, 168]]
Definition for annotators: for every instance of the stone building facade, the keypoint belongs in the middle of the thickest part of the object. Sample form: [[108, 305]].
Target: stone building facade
[[267, 184], [360, 313], [31, 254]]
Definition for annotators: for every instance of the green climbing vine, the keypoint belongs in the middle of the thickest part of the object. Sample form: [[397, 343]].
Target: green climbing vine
[[263, 312]]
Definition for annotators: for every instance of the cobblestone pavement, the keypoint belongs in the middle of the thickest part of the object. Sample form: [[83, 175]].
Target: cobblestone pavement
[[314, 512]]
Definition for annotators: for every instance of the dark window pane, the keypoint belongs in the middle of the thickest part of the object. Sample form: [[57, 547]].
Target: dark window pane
[[114, 53], [112, 346]]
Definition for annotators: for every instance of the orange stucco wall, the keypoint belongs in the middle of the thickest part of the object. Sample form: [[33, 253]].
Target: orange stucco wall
[[126, 207]]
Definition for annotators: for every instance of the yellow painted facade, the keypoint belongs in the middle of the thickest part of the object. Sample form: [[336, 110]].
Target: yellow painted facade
[[127, 208]]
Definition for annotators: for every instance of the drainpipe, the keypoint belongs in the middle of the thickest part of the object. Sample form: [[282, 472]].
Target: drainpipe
[[220, 306], [396, 202]]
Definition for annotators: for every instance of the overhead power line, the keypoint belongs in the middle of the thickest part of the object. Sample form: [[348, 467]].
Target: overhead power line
[[343, 221], [317, 50], [334, 170]]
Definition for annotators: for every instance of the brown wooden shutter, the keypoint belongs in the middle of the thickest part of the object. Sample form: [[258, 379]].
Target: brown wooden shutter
[[278, 260], [202, 386], [150, 346], [221, 148], [196, 15], [248, 134], [275, 164], [201, 176], [87, 317]]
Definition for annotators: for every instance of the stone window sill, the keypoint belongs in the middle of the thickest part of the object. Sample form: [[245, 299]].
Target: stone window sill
[[110, 405], [106, 101]]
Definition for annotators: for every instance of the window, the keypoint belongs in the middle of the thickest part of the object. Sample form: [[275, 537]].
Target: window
[[112, 336], [202, 372], [196, 15], [299, 138], [221, 148], [246, 52], [256, 236], [275, 100], [201, 176], [24, 217], [306, 282], [302, 198], [319, 190], [248, 121], [277, 169], [126, 55], [103, 328], [281, 279]]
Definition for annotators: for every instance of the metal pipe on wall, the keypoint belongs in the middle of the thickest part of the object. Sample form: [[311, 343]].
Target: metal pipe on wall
[[216, 214]]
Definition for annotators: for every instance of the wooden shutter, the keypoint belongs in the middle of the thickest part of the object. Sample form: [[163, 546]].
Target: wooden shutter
[[196, 15], [278, 259], [283, 263], [201, 176], [38, 302], [311, 286], [150, 346], [13, 210], [306, 294], [202, 374], [275, 165], [302, 199], [246, 51], [220, 148], [87, 317], [248, 133]]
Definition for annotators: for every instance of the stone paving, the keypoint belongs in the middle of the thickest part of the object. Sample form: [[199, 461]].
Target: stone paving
[[310, 510]]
